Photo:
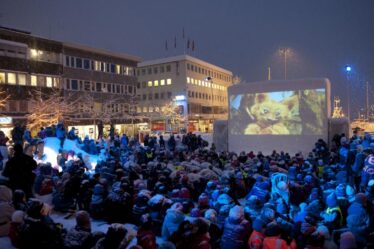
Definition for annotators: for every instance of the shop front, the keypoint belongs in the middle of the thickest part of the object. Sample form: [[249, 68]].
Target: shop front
[[6, 125]]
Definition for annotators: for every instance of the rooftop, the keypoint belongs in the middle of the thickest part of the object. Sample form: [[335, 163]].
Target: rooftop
[[182, 58]]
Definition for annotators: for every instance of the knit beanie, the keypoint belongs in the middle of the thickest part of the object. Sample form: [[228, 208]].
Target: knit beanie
[[211, 215], [324, 231], [340, 191], [258, 224], [267, 214], [331, 200], [236, 213], [195, 212], [203, 200]]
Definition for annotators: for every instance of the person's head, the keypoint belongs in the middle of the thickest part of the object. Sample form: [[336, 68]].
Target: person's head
[[115, 234], [83, 219], [18, 149], [259, 225], [35, 208], [19, 196], [200, 226]]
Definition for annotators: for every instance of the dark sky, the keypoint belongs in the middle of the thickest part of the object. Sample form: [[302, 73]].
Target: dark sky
[[241, 35]]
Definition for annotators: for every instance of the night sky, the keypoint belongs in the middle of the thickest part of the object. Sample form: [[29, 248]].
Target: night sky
[[243, 36]]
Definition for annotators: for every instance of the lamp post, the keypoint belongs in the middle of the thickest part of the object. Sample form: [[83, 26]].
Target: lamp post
[[348, 71], [285, 52]]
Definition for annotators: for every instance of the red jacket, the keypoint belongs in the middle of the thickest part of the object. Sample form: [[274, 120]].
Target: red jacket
[[276, 242], [255, 240]]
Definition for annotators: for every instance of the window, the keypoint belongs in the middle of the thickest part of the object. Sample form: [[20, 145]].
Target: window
[[109, 88], [48, 82], [22, 79], [150, 96], [149, 70], [188, 66], [188, 80], [118, 87], [156, 95], [155, 83], [107, 69], [23, 106], [151, 109], [168, 68], [144, 84], [98, 86], [72, 62], [162, 69], [102, 66], [74, 84], [78, 62], [144, 97], [162, 95], [143, 71], [87, 86], [2, 77], [192, 81], [168, 81], [199, 82], [34, 80], [112, 68], [144, 109], [118, 69], [155, 70], [67, 61], [86, 64], [162, 83], [12, 78], [138, 85], [192, 67], [169, 95], [130, 89], [150, 83]]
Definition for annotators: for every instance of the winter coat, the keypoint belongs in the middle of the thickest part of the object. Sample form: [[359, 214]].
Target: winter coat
[[146, 239], [19, 170], [41, 233], [78, 238], [358, 224], [6, 210], [275, 242], [171, 222], [235, 233], [60, 131], [255, 240], [201, 242]]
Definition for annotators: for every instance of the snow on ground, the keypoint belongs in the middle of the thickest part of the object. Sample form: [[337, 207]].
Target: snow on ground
[[52, 146]]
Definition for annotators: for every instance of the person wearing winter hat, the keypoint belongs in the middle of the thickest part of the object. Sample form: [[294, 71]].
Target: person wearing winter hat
[[200, 238], [215, 231], [332, 216], [258, 234], [223, 213], [328, 243], [273, 238], [236, 230], [351, 193], [253, 207], [80, 236], [174, 216], [16, 228], [347, 241]]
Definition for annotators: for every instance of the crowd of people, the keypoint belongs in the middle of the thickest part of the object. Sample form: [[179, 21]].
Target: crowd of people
[[180, 194]]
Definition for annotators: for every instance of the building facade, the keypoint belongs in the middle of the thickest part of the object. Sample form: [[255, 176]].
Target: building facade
[[103, 82], [195, 87]]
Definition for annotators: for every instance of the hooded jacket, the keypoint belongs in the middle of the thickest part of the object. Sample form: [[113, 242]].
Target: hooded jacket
[[174, 216], [236, 230]]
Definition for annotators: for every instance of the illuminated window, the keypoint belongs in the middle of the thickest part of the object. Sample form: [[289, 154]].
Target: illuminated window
[[168, 82], [12, 78], [150, 83], [22, 79], [155, 83], [2, 77], [157, 109], [151, 109], [144, 109], [162, 83], [97, 65], [48, 82], [118, 69], [188, 80], [209, 85], [33, 52], [199, 82]]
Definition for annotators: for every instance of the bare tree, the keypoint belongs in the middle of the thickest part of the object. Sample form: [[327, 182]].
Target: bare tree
[[4, 97], [169, 112], [50, 108]]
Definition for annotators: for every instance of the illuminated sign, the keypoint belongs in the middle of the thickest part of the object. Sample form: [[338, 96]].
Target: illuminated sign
[[180, 97], [6, 120]]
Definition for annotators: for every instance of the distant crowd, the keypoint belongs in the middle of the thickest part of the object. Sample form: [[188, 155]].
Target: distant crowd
[[182, 193]]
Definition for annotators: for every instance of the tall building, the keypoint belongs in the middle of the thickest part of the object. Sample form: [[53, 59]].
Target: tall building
[[197, 88], [104, 82]]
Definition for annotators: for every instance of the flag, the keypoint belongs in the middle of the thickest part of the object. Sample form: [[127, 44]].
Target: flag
[[188, 44], [183, 33], [166, 45], [193, 45], [175, 42]]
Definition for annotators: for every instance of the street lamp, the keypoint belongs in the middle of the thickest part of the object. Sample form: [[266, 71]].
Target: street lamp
[[348, 71], [285, 52]]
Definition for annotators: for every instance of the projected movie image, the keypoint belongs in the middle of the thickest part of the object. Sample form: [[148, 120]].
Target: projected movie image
[[300, 112]]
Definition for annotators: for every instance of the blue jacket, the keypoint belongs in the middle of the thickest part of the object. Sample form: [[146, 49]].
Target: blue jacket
[[171, 222], [235, 234]]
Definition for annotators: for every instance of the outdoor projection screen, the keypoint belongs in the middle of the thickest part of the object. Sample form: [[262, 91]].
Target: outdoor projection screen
[[282, 115]]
